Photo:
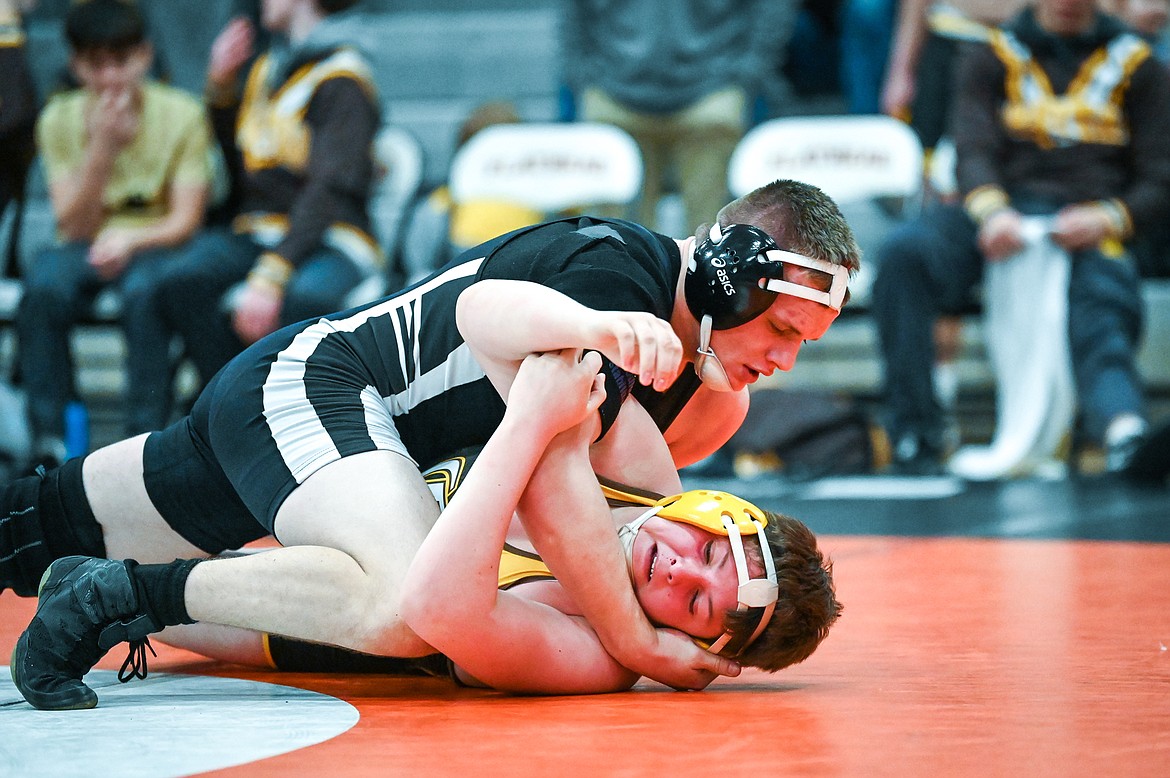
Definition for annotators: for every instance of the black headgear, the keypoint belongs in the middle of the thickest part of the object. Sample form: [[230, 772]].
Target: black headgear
[[723, 279], [736, 273]]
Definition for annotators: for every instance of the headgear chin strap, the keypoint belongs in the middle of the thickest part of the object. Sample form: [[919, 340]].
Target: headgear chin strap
[[722, 514], [707, 364], [733, 277]]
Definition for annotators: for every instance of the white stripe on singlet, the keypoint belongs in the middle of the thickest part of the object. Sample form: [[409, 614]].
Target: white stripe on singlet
[[298, 433], [457, 369]]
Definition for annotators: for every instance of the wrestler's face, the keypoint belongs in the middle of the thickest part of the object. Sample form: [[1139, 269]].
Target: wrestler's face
[[684, 577], [771, 341]]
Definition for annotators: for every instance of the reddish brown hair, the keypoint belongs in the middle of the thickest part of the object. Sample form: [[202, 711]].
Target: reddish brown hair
[[806, 605]]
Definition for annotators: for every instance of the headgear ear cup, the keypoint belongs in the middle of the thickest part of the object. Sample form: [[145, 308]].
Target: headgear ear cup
[[723, 279]]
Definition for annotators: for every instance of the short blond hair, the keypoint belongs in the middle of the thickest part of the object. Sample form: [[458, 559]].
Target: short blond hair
[[799, 217]]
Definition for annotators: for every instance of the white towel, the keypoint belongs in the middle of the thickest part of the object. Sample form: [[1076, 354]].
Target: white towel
[[1026, 330]]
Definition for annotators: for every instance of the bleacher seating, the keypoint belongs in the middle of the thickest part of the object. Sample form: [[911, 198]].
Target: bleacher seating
[[399, 173], [435, 60], [434, 67]]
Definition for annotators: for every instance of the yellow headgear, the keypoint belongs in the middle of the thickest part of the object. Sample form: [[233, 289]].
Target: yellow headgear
[[720, 513]]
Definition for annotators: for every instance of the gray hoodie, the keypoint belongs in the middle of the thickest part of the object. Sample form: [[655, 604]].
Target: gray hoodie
[[658, 56]]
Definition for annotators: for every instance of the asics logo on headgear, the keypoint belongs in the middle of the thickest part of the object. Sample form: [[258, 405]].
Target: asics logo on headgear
[[737, 271], [723, 280], [728, 287]]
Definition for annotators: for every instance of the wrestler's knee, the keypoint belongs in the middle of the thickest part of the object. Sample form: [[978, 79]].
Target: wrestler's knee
[[131, 525], [382, 631]]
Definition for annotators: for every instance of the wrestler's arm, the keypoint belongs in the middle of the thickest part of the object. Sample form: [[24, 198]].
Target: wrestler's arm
[[706, 422], [583, 551], [504, 321], [498, 319], [450, 595]]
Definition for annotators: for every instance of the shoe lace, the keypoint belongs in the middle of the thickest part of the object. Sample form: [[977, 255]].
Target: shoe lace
[[136, 661]]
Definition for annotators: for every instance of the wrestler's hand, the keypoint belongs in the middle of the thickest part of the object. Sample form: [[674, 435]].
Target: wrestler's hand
[[639, 343], [112, 121], [1002, 235], [678, 662], [257, 312], [558, 390]]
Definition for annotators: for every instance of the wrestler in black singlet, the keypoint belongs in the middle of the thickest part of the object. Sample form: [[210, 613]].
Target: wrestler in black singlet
[[391, 375]]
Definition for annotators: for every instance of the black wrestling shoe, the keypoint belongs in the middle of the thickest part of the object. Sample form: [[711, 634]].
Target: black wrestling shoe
[[86, 606]]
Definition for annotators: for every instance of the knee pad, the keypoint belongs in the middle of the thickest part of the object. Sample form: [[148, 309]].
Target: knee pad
[[23, 554], [68, 520]]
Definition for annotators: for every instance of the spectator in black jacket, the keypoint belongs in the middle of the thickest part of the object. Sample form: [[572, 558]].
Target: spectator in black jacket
[[1064, 112]]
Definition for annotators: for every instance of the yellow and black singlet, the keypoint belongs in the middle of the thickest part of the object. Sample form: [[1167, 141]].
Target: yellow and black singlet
[[516, 565]]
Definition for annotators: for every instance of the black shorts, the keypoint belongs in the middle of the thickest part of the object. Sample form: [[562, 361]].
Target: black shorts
[[257, 431], [192, 493]]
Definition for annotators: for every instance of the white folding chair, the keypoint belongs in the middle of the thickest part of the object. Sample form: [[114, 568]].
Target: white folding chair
[[865, 163], [548, 167]]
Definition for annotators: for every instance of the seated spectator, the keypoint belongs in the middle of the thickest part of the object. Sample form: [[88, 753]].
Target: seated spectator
[[1100, 173], [1148, 18], [439, 228], [128, 166], [300, 137]]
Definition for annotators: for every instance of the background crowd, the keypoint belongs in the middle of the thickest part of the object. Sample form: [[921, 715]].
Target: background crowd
[[217, 168]]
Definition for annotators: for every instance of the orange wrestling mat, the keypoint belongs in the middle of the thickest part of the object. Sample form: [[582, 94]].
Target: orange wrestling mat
[[953, 657]]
